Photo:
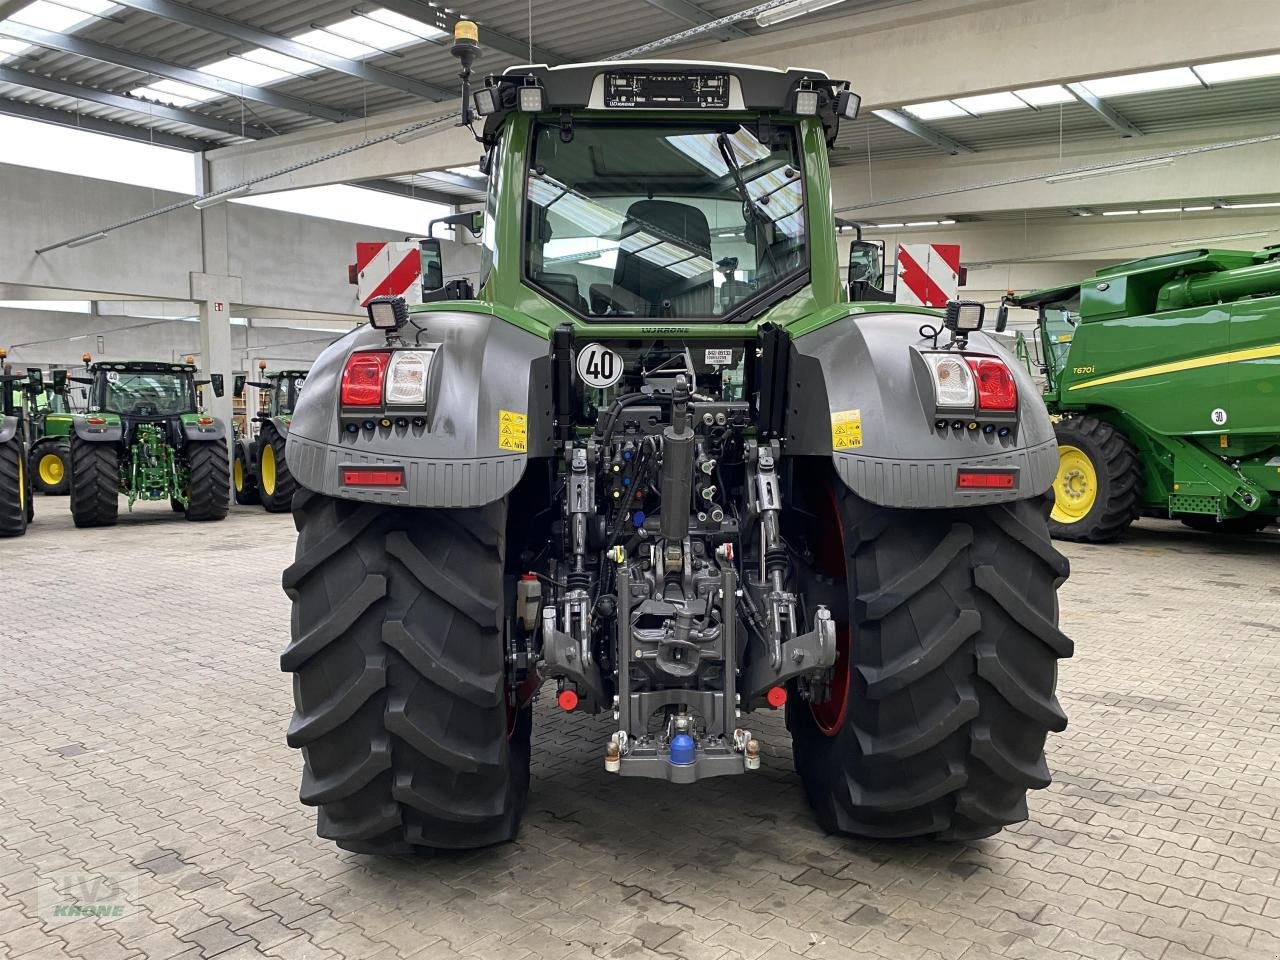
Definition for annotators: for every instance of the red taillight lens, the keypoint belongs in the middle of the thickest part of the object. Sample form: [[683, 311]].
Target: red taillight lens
[[96, 421], [986, 479], [393, 477], [362, 378], [996, 387]]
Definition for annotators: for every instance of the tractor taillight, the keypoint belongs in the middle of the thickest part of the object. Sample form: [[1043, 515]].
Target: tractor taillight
[[361, 477], [96, 421], [362, 378], [996, 387]]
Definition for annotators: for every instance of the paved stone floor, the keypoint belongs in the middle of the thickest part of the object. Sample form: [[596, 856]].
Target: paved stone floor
[[144, 775]]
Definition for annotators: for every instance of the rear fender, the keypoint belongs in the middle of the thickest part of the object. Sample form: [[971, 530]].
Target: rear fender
[[197, 432], [860, 394], [110, 432], [8, 428], [489, 411]]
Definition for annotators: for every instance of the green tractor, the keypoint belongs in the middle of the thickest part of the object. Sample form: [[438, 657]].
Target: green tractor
[[660, 460], [50, 413], [17, 508], [1164, 374], [260, 472], [143, 437]]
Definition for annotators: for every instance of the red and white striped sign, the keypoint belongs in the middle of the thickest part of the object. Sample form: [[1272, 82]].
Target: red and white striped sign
[[928, 273], [388, 270]]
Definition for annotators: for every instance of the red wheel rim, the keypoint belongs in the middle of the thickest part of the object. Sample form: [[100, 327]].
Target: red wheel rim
[[829, 715]]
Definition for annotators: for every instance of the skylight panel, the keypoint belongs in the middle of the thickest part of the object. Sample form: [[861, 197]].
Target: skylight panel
[[405, 24], [471, 171], [1049, 96], [51, 16], [12, 47], [238, 70], [289, 65], [1229, 70], [990, 103], [331, 43], [935, 110], [372, 35], [173, 92], [1142, 82]]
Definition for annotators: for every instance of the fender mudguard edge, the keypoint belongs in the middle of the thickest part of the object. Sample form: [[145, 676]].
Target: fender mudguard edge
[[862, 367]]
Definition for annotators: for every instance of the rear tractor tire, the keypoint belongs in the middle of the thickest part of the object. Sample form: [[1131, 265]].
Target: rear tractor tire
[[243, 480], [210, 480], [276, 485], [50, 466], [15, 489], [943, 692], [95, 483], [399, 683], [1099, 482]]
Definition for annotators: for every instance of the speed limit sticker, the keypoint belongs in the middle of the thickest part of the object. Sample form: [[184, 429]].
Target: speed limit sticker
[[1219, 417], [113, 377], [598, 366]]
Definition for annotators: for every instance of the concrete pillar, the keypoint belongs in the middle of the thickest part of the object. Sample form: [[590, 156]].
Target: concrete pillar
[[213, 296]]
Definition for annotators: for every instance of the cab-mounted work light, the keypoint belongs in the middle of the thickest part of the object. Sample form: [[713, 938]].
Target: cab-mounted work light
[[387, 313], [486, 101], [847, 104], [806, 99], [963, 316], [531, 98]]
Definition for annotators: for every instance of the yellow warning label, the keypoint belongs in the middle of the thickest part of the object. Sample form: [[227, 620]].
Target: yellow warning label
[[513, 431], [846, 429]]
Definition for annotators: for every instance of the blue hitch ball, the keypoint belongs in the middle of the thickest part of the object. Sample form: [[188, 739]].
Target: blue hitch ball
[[682, 749]]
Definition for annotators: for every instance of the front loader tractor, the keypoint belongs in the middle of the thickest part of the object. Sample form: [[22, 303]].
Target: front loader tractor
[[144, 437], [260, 470], [1163, 372], [662, 463]]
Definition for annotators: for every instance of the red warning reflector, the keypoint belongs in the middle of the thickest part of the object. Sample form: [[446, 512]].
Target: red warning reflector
[[986, 479], [777, 696], [568, 699], [358, 477]]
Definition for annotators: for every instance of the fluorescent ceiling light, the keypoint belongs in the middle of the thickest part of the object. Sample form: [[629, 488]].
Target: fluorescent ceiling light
[[1197, 241], [222, 196], [81, 241], [935, 110], [1252, 206], [1161, 210], [405, 24], [1229, 70], [1107, 171], [1049, 96], [1119, 213], [1196, 209], [1142, 82], [789, 11], [990, 103]]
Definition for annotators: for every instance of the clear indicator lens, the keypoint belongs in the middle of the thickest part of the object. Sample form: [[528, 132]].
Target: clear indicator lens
[[952, 381], [407, 377]]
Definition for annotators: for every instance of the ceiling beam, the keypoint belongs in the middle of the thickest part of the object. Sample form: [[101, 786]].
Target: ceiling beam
[[144, 108], [925, 133], [694, 14], [438, 17], [1110, 115], [80, 47], [244, 33], [111, 128]]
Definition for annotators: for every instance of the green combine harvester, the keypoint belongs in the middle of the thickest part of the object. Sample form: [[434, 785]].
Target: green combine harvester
[[143, 437], [260, 472], [1165, 373], [661, 459]]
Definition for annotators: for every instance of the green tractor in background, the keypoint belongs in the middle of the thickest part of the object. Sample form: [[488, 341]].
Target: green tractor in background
[[143, 436], [260, 473], [50, 413], [17, 508], [1165, 373]]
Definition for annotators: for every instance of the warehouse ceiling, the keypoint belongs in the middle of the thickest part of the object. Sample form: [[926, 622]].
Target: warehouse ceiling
[[220, 72]]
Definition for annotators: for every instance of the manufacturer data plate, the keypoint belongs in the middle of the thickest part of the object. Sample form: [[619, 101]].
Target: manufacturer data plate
[[667, 91]]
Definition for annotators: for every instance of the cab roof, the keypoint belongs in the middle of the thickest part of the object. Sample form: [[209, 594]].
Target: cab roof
[[142, 366]]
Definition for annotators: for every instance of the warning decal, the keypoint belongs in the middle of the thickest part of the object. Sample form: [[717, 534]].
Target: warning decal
[[846, 429], [513, 431]]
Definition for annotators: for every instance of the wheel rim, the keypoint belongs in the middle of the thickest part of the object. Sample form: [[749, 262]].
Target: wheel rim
[[1075, 489], [22, 486], [267, 468], [829, 715], [51, 469], [237, 473]]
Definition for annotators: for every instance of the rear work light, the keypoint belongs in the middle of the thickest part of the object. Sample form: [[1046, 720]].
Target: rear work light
[[362, 378], [361, 477], [953, 387], [997, 390], [986, 479]]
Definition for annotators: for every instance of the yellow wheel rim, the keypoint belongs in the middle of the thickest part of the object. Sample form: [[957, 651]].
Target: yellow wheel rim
[[22, 485], [1075, 489], [237, 474], [51, 469], [267, 469]]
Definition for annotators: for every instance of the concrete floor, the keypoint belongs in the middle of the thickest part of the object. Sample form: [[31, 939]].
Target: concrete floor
[[143, 770]]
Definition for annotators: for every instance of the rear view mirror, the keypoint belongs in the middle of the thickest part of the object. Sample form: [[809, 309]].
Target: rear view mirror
[[238, 385], [59, 381], [216, 381], [866, 263], [432, 265], [1002, 317], [35, 380]]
